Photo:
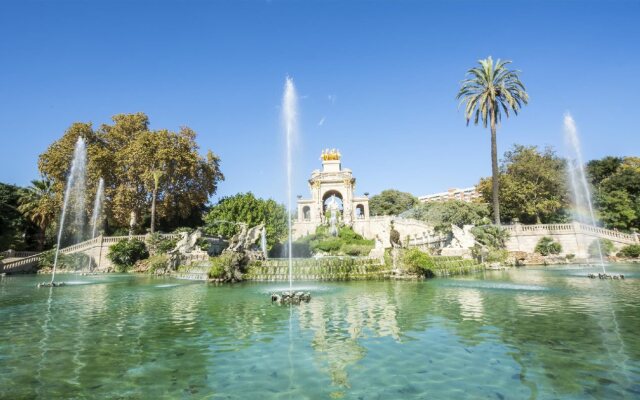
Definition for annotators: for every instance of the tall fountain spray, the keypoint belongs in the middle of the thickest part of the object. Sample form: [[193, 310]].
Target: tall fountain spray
[[579, 185], [97, 208], [73, 197], [289, 118]]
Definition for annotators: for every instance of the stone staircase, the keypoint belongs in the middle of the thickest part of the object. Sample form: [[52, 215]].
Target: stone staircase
[[97, 248]]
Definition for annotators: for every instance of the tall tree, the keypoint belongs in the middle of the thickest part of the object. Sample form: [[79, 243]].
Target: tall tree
[[39, 205], [126, 154], [490, 90], [391, 202], [616, 182], [533, 185], [246, 208]]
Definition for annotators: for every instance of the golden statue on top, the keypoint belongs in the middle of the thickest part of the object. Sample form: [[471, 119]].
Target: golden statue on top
[[332, 154]]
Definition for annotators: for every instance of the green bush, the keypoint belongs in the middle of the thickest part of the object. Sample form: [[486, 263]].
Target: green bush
[[606, 246], [126, 252], [491, 236], [418, 262], [547, 245], [570, 256], [228, 267], [356, 250], [159, 262], [630, 251], [159, 245], [497, 256]]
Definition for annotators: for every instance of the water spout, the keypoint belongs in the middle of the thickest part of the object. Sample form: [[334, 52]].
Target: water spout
[[289, 117], [579, 185], [73, 197], [97, 208]]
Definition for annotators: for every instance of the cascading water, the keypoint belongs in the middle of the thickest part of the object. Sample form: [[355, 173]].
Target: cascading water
[[97, 209], [73, 198], [579, 185], [289, 118]]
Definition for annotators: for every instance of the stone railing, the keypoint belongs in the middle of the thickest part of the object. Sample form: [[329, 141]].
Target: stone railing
[[571, 228], [28, 262], [17, 254]]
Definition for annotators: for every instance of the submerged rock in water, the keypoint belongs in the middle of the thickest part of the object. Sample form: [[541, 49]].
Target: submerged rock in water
[[290, 297], [51, 284]]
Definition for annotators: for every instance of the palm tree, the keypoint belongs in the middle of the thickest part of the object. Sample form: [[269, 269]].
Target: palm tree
[[38, 204], [489, 90]]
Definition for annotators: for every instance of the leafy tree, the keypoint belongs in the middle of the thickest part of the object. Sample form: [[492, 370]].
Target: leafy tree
[[547, 245], [616, 183], [246, 208], [441, 215], [490, 90], [532, 185], [12, 223], [128, 155], [391, 202], [617, 209], [38, 203]]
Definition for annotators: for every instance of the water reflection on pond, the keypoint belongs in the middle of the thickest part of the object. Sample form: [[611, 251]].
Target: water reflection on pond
[[527, 333]]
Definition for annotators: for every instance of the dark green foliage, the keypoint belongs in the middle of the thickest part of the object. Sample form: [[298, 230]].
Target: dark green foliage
[[547, 245], [391, 202], [441, 215], [347, 242], [159, 245], [126, 252], [606, 247], [491, 236], [246, 208], [630, 251], [228, 267], [533, 186], [418, 262], [13, 225], [616, 183]]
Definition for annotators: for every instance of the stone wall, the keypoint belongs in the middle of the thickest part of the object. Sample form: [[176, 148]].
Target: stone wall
[[575, 238]]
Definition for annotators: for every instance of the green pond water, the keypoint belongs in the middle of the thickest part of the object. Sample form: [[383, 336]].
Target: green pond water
[[523, 333]]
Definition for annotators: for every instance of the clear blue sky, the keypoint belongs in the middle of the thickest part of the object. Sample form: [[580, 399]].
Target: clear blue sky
[[381, 76]]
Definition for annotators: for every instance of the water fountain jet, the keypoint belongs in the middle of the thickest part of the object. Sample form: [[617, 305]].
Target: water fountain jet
[[74, 197]]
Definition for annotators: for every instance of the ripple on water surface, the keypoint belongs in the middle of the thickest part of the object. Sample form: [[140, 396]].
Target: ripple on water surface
[[516, 334]]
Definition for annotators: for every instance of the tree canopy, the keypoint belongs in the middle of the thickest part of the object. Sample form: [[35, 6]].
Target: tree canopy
[[12, 224], [248, 209], [391, 202], [126, 154], [532, 185], [616, 182], [441, 215]]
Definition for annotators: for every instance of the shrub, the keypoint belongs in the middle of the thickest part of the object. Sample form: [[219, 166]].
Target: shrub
[[328, 245], [418, 262], [228, 267], [630, 251], [606, 246], [157, 263], [356, 250], [497, 255], [126, 252], [159, 245], [491, 236], [547, 245], [570, 256]]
